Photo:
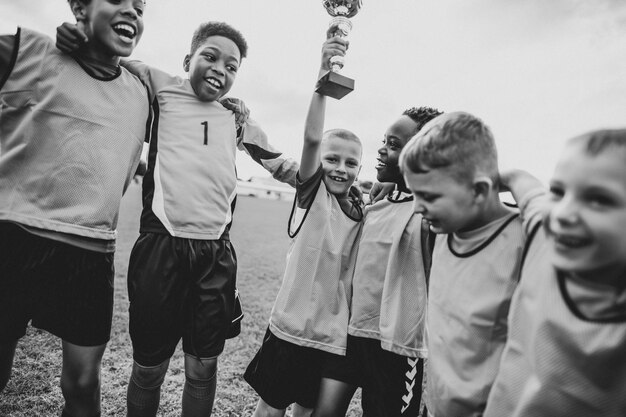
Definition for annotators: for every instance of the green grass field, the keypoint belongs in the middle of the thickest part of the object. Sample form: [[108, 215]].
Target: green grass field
[[260, 238]]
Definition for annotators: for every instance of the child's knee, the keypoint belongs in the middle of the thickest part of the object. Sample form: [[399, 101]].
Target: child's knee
[[149, 376], [85, 385], [200, 368]]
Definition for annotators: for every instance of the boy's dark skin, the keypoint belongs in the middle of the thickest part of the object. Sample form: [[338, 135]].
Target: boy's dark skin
[[335, 396], [80, 375], [225, 59]]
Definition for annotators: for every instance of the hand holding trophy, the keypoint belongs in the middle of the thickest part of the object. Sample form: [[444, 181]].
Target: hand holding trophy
[[333, 84]]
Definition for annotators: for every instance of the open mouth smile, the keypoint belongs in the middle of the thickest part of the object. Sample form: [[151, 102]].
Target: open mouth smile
[[126, 31], [215, 83], [338, 179], [570, 242]]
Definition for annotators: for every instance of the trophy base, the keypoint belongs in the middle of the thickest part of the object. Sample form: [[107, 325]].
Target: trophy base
[[335, 85]]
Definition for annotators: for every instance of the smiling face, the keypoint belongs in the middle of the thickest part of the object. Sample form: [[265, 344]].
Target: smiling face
[[395, 138], [341, 163], [114, 27], [587, 222], [213, 67]]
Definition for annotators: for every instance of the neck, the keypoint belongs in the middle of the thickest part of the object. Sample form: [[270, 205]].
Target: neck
[[491, 211], [402, 186], [95, 57], [97, 67]]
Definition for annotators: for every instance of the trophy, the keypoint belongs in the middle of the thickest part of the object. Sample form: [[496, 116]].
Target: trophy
[[333, 84]]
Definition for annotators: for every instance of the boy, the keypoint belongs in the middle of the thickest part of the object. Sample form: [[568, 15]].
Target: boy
[[182, 270], [451, 167], [566, 351], [309, 320], [385, 340], [66, 158]]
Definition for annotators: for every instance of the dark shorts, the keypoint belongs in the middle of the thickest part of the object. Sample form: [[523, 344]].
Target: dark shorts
[[181, 288], [391, 384], [63, 289], [283, 373]]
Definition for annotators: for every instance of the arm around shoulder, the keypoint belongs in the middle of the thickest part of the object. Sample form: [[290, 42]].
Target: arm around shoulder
[[529, 193]]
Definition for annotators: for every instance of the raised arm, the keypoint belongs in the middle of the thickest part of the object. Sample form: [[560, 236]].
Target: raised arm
[[314, 126]]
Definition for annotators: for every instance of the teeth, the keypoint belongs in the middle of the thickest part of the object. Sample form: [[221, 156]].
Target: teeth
[[338, 179], [125, 31], [214, 82]]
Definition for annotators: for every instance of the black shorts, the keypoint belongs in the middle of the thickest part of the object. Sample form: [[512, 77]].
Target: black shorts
[[283, 373], [63, 289], [181, 288], [391, 384]]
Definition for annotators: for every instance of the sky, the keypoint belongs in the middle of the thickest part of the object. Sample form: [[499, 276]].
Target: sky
[[536, 71]]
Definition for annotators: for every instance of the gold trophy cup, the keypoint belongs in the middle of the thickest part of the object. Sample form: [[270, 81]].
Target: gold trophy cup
[[333, 84]]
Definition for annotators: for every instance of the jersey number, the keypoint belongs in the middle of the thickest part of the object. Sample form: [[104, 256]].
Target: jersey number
[[206, 132]]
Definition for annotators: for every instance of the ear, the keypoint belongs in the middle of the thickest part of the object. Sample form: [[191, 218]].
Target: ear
[[79, 10], [186, 62], [483, 187]]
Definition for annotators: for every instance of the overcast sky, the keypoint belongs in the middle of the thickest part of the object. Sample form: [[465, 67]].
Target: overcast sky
[[536, 71]]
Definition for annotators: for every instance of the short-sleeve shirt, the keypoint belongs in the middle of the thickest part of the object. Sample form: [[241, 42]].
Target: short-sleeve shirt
[[473, 277], [70, 143], [189, 189], [312, 307], [389, 286], [566, 351]]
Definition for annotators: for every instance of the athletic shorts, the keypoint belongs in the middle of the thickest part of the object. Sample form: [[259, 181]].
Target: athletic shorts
[[391, 384], [63, 289], [181, 288], [283, 373]]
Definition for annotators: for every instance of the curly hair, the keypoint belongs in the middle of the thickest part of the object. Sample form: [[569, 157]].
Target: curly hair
[[87, 2], [208, 29], [421, 115]]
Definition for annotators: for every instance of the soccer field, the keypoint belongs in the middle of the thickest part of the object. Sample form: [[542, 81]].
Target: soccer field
[[259, 235]]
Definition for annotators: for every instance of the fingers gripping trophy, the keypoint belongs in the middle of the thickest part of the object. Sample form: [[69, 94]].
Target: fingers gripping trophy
[[333, 84]]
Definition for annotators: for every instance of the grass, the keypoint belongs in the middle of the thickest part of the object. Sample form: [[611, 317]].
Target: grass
[[260, 238]]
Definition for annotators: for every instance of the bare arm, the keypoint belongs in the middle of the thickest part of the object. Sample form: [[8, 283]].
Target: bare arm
[[519, 183], [529, 193], [314, 126]]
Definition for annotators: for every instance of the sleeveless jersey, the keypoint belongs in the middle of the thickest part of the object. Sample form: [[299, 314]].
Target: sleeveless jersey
[[190, 186], [389, 285], [312, 307], [69, 143], [557, 362], [469, 299]]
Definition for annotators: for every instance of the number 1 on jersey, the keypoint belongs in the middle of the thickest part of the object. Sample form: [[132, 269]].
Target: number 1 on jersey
[[206, 132]]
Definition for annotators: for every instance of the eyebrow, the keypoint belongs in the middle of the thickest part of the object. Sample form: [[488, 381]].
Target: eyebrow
[[215, 48]]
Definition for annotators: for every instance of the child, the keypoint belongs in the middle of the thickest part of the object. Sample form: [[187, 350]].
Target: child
[[309, 320], [67, 155], [182, 270], [566, 353], [385, 332], [451, 167]]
